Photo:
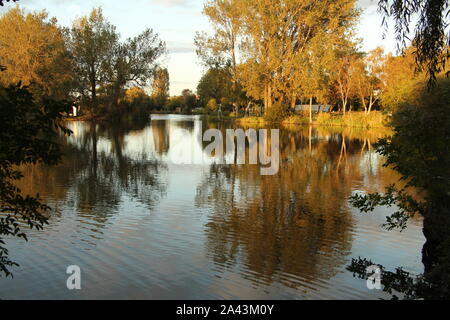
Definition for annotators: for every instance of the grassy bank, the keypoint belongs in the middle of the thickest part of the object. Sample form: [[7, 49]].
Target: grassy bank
[[353, 119]]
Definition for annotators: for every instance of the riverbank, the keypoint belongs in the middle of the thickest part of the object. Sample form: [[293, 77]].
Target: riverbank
[[375, 119]]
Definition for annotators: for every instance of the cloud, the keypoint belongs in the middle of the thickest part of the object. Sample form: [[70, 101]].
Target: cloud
[[364, 4], [180, 47], [172, 3]]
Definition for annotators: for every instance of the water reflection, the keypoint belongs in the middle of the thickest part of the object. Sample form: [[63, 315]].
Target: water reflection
[[292, 228], [141, 226]]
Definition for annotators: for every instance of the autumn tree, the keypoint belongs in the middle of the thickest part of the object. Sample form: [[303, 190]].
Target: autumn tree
[[220, 50], [343, 74], [401, 82], [288, 46], [160, 87], [33, 51], [212, 105], [367, 77]]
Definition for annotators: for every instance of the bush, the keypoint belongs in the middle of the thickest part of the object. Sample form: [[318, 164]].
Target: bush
[[323, 118], [296, 119], [251, 120], [277, 113], [199, 111], [354, 119]]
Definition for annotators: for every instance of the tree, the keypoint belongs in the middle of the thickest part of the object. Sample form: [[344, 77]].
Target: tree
[[160, 87], [92, 41], [33, 50], [289, 43], [189, 99], [343, 75], [419, 151], [28, 136], [220, 49], [430, 38], [134, 62], [212, 105], [216, 84], [367, 76], [401, 82]]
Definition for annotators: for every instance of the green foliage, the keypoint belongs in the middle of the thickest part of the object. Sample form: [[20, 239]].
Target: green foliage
[[27, 137], [215, 84], [420, 151], [105, 65], [174, 103], [400, 281], [160, 86], [189, 100]]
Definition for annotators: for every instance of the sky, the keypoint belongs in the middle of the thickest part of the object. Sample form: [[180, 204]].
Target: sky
[[176, 22]]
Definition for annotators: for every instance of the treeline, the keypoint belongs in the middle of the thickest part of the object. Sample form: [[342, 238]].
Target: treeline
[[278, 54], [87, 63]]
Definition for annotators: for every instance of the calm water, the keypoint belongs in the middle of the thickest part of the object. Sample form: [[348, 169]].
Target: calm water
[[140, 226]]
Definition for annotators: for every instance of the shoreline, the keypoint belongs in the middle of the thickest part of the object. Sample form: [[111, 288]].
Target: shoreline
[[357, 120]]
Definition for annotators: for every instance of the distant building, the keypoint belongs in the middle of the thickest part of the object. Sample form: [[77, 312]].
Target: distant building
[[315, 108]]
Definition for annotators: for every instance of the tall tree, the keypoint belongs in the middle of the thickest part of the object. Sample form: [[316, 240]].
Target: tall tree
[[221, 49], [134, 62], [367, 76], [290, 43], [93, 41], [343, 72], [160, 87]]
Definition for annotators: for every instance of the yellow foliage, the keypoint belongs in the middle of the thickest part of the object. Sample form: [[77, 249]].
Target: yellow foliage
[[33, 50], [134, 94]]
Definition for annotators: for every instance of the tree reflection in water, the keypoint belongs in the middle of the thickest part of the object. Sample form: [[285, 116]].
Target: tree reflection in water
[[96, 173], [143, 226], [296, 223]]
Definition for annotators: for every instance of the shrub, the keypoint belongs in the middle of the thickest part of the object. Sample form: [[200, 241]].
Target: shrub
[[277, 113], [296, 119]]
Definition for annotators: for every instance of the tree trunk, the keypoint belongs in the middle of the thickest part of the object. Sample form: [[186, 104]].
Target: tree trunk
[[310, 109], [93, 95], [370, 104], [269, 96], [293, 102], [265, 98], [344, 105]]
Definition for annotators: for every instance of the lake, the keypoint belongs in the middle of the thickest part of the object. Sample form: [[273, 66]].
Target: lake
[[141, 226]]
